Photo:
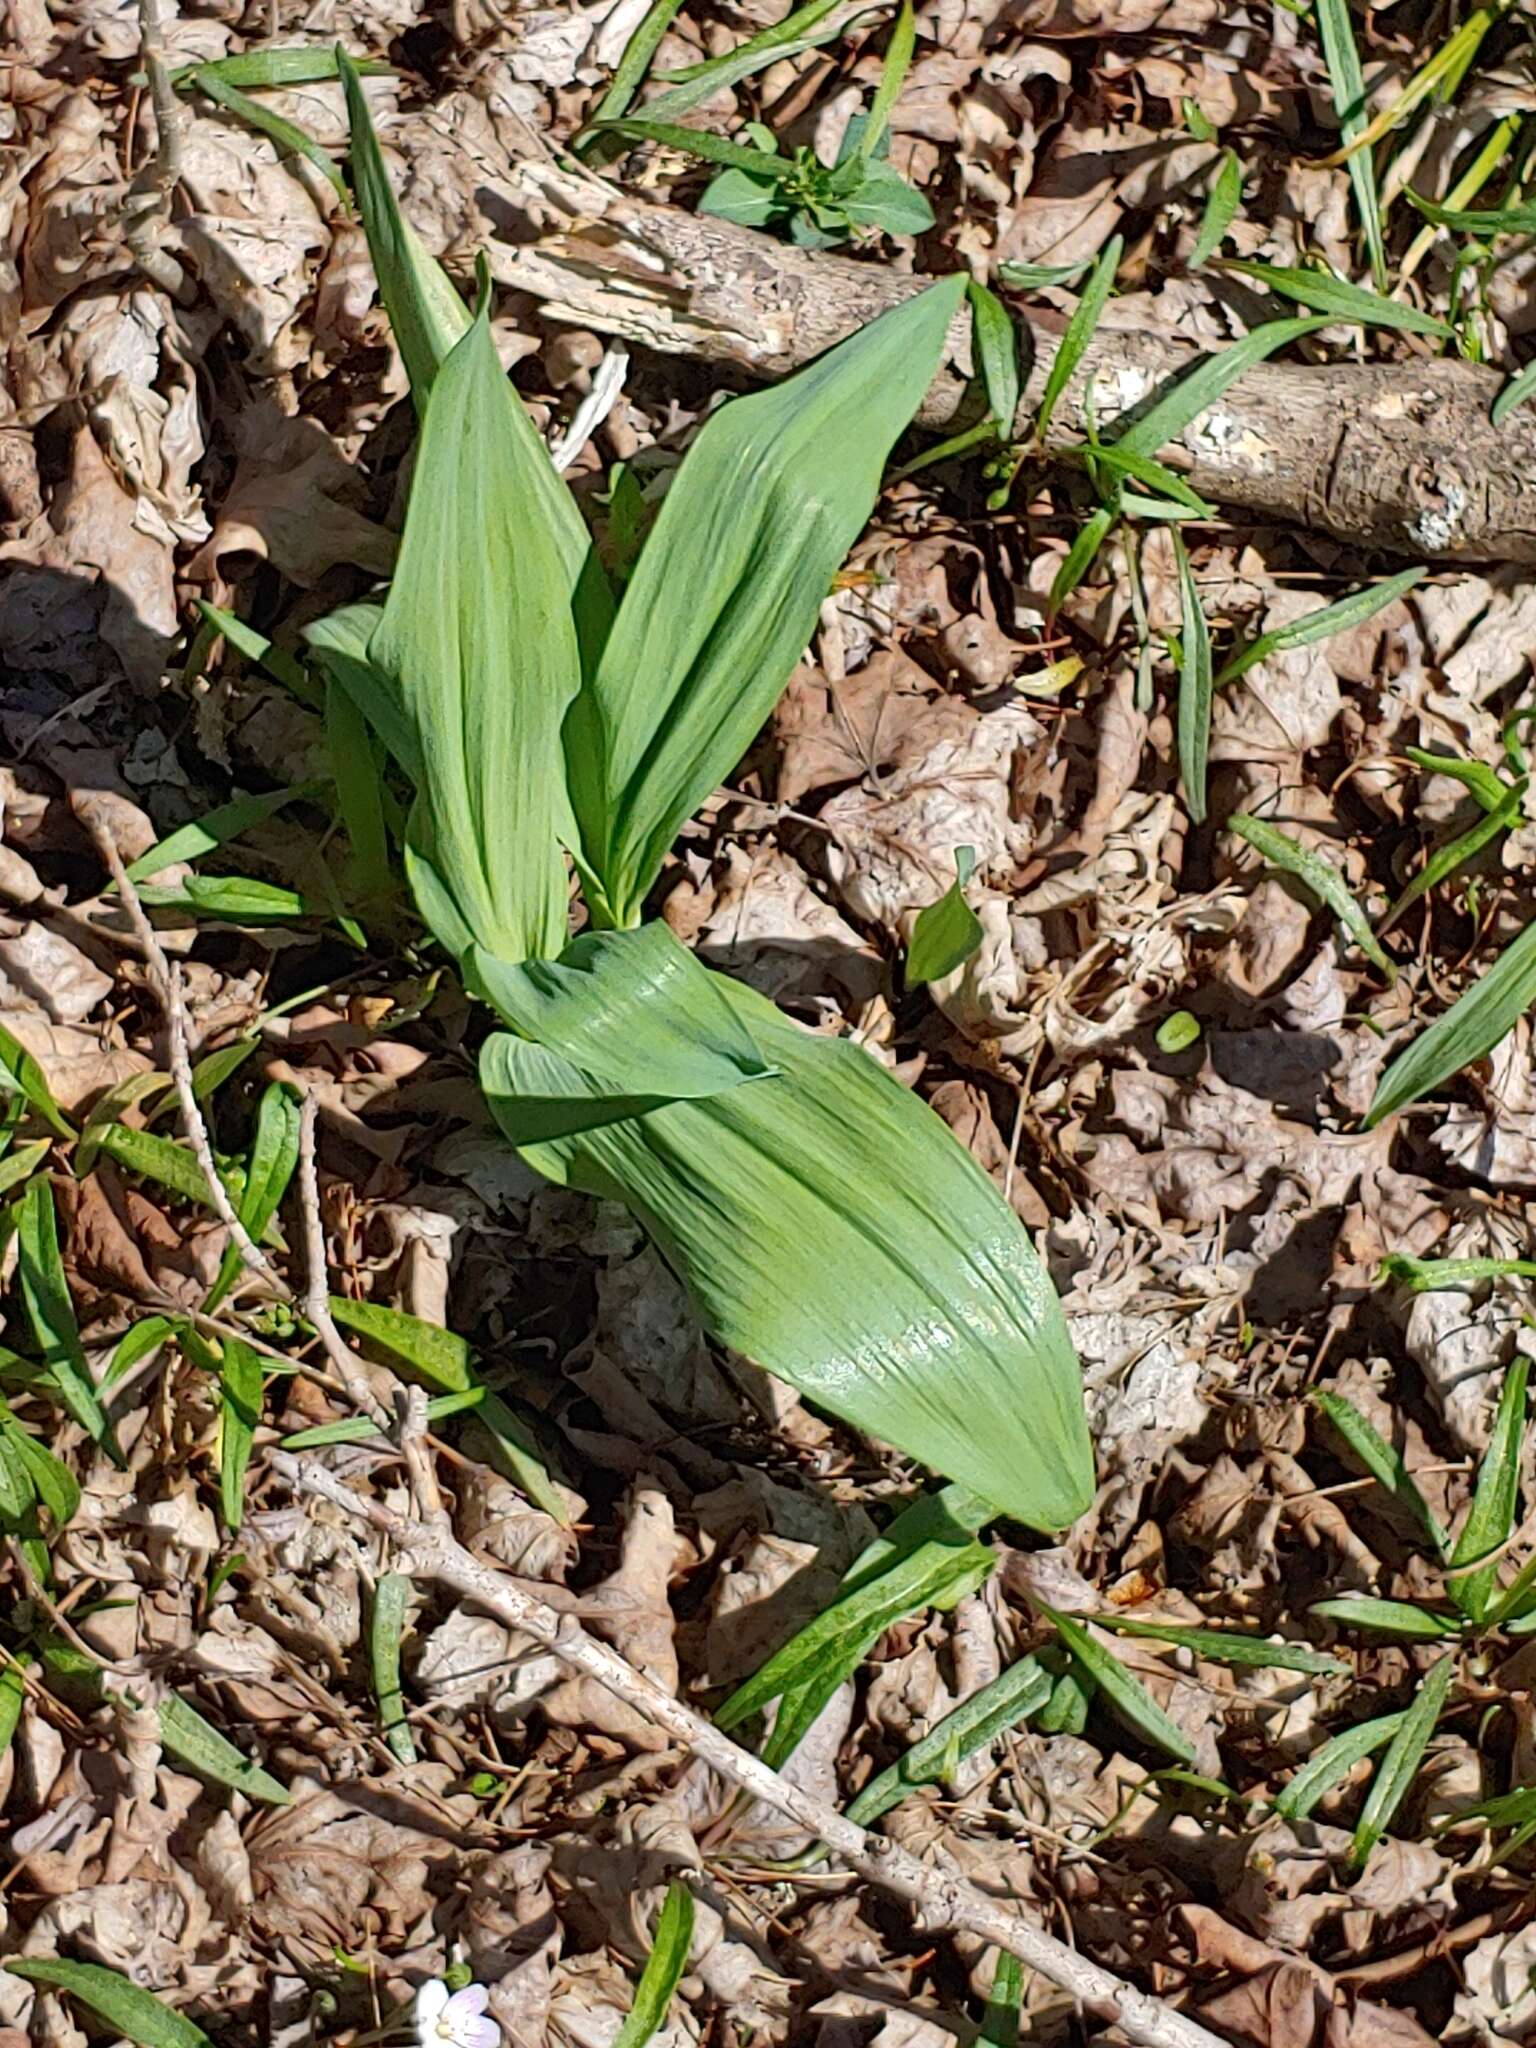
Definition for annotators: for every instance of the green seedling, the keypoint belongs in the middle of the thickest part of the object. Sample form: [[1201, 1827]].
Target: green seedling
[[663, 1971]]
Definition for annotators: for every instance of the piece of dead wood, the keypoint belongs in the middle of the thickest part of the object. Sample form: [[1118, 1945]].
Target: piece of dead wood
[[1398, 457]]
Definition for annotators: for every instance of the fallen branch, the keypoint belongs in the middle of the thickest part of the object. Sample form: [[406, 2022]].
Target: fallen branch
[[428, 1551], [1396, 457]]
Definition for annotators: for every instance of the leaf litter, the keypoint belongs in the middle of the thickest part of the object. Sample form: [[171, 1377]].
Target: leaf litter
[[255, 1788]]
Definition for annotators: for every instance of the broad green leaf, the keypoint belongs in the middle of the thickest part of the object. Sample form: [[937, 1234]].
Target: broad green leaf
[[1385, 1465], [20, 1072], [1000, 2022], [1430, 1276], [1492, 1515], [121, 2005], [256, 69], [1348, 82], [663, 1971], [274, 1155], [1447, 859], [162, 1160], [1129, 1698], [1225, 1646], [1388, 1617], [391, 1601], [748, 201], [727, 590], [136, 1344], [883, 199], [1515, 392], [1194, 720], [1471, 1027], [1321, 877], [1085, 318], [996, 348], [287, 135], [359, 1429], [1347, 613], [1222, 202], [1399, 1767], [1333, 1764], [426, 313], [1325, 293], [948, 932], [1012, 1697], [240, 1388], [482, 662], [45, 1295], [918, 1304]]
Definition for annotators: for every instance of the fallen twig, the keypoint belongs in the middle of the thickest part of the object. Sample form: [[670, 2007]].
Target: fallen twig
[[429, 1552]]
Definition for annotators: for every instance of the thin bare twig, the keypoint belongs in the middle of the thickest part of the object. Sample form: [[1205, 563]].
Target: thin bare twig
[[147, 209], [943, 1901], [317, 1293]]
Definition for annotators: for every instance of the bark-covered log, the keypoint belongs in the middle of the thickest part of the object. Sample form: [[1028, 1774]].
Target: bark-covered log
[[1399, 458]]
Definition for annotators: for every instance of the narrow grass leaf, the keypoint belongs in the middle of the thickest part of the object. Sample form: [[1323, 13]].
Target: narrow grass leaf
[[20, 1165], [233, 899], [240, 1388], [1333, 1764], [1225, 1646], [287, 135], [1222, 202], [629, 75], [1446, 860], [1483, 783], [948, 932], [136, 1344], [360, 1429], [256, 69], [270, 1168], [1322, 624], [1036, 277], [1195, 687], [357, 770], [191, 1741], [1011, 1698], [1385, 1465], [121, 2005], [45, 1295], [391, 1602], [727, 590], [1000, 2021], [1399, 1767], [258, 648], [1348, 81], [1470, 1028], [210, 1074], [1432, 1276], [1074, 343], [51, 1481], [1492, 1514], [1110, 458], [996, 346], [1325, 293], [699, 142], [1498, 220], [161, 1160], [1321, 877], [1079, 559], [1199, 388], [769, 44], [1129, 1698], [21, 1074], [893, 76], [1388, 1618], [13, 1694], [1515, 392], [663, 1971]]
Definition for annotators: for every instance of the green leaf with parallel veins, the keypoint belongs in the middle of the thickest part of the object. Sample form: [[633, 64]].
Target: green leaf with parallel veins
[[1492, 1515], [1430, 1276], [1225, 1646], [1011, 1697], [1325, 293], [1447, 859], [1384, 1464], [996, 348], [1486, 1012], [1129, 1698], [121, 2005], [274, 1156], [918, 1302], [21, 1072], [1194, 723], [664, 1968], [1399, 1767], [13, 1694], [1333, 1764], [1074, 343], [725, 596], [1321, 877], [1388, 1618], [391, 1602], [240, 1390], [45, 1294], [1340, 617], [1225, 197]]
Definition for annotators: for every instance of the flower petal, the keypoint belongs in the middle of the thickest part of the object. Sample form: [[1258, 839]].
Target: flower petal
[[481, 2033], [472, 1999], [430, 2005]]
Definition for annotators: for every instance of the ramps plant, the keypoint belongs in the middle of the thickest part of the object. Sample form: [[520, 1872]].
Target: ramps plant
[[825, 1222]]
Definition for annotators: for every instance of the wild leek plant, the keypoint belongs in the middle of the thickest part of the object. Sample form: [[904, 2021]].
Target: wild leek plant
[[825, 1222]]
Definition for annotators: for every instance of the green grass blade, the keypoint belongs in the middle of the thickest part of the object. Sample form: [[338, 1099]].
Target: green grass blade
[[45, 1295], [1226, 1646], [258, 648], [728, 587], [13, 1694], [274, 1156], [240, 1390], [1471, 1027], [1399, 1767], [1333, 1764], [50, 1480], [161, 1160], [1222, 202], [1498, 220], [663, 1971], [23, 1076], [258, 69], [1492, 1515], [1000, 2022], [634, 64], [699, 142], [1085, 318], [946, 933], [1012, 1697], [1431, 1276], [286, 135], [1129, 1698], [893, 76], [996, 347], [1195, 688], [216, 828], [130, 2012], [1348, 81], [1385, 1465], [1321, 877], [1108, 458], [357, 769], [1446, 860], [1515, 392], [360, 1429], [1388, 1618], [20, 1165], [391, 1602], [1324, 293], [1036, 277], [1197, 389], [1079, 559], [1340, 617]]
